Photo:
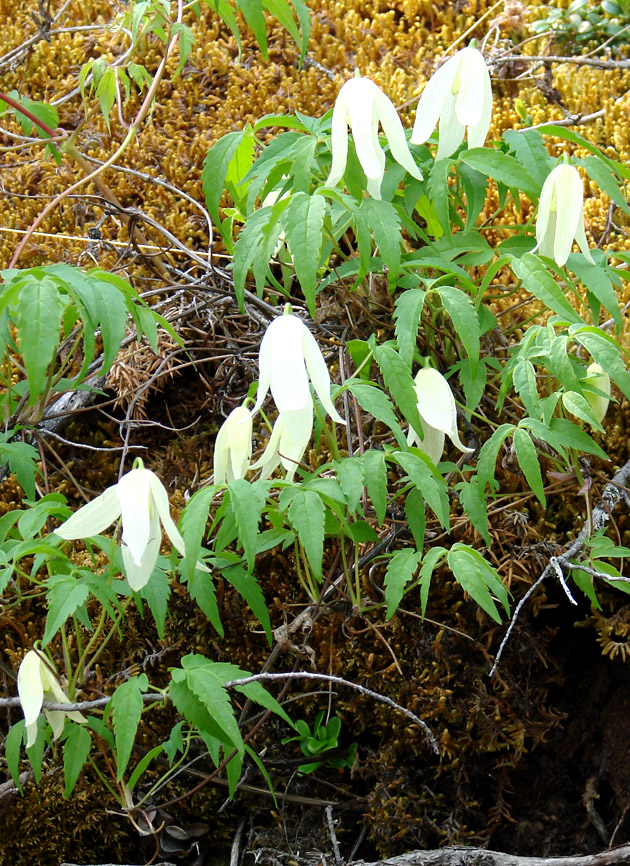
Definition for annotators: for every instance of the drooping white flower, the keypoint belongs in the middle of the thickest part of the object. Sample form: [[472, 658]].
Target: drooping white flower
[[459, 95], [438, 414], [598, 378], [233, 446], [142, 500], [37, 681], [287, 444], [561, 215], [361, 104], [289, 357]]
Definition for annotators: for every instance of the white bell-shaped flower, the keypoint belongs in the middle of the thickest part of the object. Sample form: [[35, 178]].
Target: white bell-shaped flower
[[438, 414], [361, 104], [290, 436], [561, 215], [598, 378], [37, 681], [459, 95], [142, 501], [233, 446], [289, 357]]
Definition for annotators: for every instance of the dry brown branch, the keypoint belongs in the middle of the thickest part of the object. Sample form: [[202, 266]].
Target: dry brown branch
[[483, 857]]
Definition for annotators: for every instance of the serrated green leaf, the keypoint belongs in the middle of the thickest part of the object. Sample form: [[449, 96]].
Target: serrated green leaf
[[524, 377], [399, 383], [38, 317], [193, 523], [215, 169], [12, 744], [598, 283], [247, 501], [464, 316], [476, 190], [578, 405], [407, 314], [429, 564], [156, 593], [384, 223], [530, 152], [537, 280], [349, 471], [370, 398], [528, 461], [400, 570], [186, 42], [375, 474], [478, 579], [142, 764], [252, 10], [106, 93], [255, 691], [202, 591], [306, 514], [439, 193], [429, 482], [304, 221], [474, 504], [486, 464], [606, 352], [247, 585], [195, 711], [65, 595], [127, 707], [207, 684], [503, 168], [22, 459], [415, 514], [75, 752]]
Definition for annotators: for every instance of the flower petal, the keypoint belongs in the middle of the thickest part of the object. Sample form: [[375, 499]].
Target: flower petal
[[93, 518], [569, 198], [360, 94], [478, 132], [295, 436], [432, 444], [289, 382], [162, 507], [31, 692], [264, 370], [318, 372], [339, 140], [394, 130], [133, 493], [598, 378], [437, 90], [139, 574], [436, 404], [221, 456], [240, 433], [472, 74], [451, 130], [270, 459]]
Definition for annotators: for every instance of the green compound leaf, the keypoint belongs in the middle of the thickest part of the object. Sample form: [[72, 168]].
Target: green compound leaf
[[478, 579], [465, 319], [206, 682], [375, 473], [75, 752], [399, 383], [384, 223], [400, 570], [528, 461], [38, 317], [247, 501], [474, 504], [304, 222], [65, 595], [407, 317], [127, 708], [306, 514], [428, 481], [375, 401], [503, 168], [537, 280]]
